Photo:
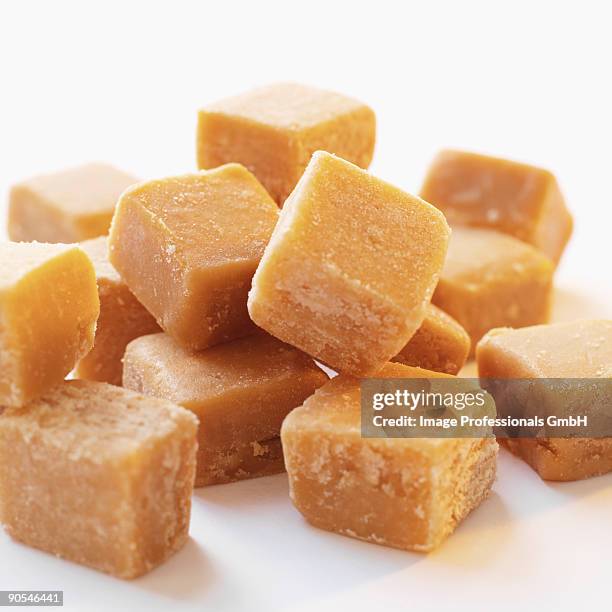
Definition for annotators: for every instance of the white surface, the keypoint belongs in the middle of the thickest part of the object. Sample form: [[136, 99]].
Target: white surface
[[121, 82]]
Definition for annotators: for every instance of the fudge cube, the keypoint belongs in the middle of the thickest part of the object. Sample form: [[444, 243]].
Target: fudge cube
[[122, 318], [579, 349], [407, 493], [440, 344], [187, 248], [98, 475], [240, 391], [275, 130], [520, 200], [48, 310], [351, 267], [67, 206], [493, 280]]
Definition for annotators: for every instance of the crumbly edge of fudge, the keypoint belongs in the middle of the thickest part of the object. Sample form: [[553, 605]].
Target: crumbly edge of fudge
[[464, 485], [241, 462], [171, 450]]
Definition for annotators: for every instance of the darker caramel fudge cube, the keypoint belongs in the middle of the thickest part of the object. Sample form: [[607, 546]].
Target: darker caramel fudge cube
[[517, 199], [98, 475], [408, 493], [274, 131], [122, 318], [67, 206], [240, 391], [575, 350], [187, 248], [350, 269], [440, 344], [491, 280]]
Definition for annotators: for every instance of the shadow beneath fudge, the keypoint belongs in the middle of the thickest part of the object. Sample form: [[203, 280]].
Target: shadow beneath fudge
[[588, 487], [477, 540], [187, 574], [261, 516], [521, 481], [334, 562], [266, 490]]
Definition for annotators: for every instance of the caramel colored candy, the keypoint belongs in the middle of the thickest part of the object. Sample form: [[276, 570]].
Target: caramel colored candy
[[275, 130], [440, 344], [493, 280], [68, 206], [122, 318], [241, 391], [350, 268], [580, 349], [188, 246], [407, 493], [98, 475], [520, 200], [48, 310]]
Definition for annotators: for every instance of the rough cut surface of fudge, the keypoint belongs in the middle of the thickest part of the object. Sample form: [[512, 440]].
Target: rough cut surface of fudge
[[575, 350], [407, 493], [274, 131], [48, 310], [122, 318], [240, 391], [520, 200], [68, 206], [350, 269], [98, 475]]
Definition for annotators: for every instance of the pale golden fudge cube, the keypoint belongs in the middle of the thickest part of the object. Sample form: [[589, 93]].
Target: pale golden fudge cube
[[493, 280], [579, 349], [98, 475], [440, 344], [67, 206], [408, 493], [48, 310], [122, 318], [350, 268], [240, 391], [517, 199], [188, 246], [275, 130]]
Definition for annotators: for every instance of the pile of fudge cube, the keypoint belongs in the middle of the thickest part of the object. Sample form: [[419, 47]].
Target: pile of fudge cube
[[206, 328]]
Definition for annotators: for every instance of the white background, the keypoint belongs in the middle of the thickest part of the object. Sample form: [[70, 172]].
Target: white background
[[121, 82]]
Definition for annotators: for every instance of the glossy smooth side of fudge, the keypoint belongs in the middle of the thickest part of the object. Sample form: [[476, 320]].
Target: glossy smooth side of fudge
[[188, 246], [440, 344], [240, 391]]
